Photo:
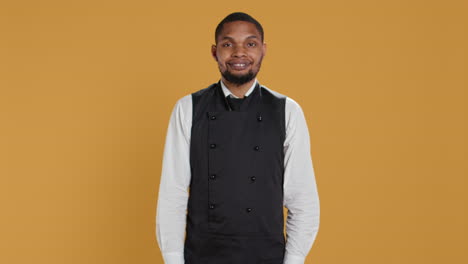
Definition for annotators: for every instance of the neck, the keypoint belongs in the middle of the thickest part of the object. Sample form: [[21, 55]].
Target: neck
[[236, 89]]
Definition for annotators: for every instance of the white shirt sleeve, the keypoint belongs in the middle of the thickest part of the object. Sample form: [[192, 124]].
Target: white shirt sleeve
[[175, 180], [300, 189]]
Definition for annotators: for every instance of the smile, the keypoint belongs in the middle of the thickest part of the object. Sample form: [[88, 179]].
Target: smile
[[238, 66]]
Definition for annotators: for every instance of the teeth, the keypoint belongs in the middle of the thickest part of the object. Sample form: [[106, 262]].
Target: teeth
[[239, 65]]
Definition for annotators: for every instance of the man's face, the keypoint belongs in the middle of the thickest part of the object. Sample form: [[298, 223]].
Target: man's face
[[239, 52]]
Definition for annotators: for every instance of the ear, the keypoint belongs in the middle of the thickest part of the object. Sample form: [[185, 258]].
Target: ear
[[213, 52], [264, 48]]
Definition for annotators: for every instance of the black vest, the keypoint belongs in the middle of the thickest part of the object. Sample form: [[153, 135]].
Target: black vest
[[235, 206]]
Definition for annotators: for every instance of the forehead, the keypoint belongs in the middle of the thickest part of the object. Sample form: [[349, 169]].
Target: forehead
[[239, 29]]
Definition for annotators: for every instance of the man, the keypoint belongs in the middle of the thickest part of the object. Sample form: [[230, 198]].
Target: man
[[243, 152]]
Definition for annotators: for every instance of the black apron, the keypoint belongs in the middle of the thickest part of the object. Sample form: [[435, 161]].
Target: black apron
[[235, 206]]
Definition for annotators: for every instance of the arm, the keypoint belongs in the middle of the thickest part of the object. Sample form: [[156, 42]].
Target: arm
[[173, 188], [300, 190]]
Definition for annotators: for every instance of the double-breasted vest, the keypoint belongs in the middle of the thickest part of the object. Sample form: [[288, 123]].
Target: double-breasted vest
[[235, 206]]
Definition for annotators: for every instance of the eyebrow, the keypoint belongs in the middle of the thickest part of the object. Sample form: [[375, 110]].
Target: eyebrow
[[249, 37]]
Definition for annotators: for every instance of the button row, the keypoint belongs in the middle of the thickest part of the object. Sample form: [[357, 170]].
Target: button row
[[259, 118], [213, 176], [256, 148], [248, 209]]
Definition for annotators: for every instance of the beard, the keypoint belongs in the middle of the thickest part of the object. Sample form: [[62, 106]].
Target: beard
[[241, 79], [238, 79]]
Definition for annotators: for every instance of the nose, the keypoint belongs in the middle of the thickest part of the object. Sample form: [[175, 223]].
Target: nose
[[239, 51]]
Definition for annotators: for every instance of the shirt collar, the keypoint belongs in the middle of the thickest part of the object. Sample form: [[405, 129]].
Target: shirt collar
[[227, 92]]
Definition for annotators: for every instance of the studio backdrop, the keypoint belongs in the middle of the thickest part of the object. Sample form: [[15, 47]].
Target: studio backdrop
[[87, 88]]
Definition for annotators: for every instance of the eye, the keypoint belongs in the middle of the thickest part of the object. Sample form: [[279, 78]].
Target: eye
[[251, 44], [227, 45]]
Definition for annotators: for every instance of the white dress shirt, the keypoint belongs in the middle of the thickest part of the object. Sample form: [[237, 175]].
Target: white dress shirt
[[300, 190]]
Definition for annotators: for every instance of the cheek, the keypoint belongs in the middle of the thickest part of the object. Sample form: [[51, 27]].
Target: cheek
[[222, 62], [256, 55], [221, 54]]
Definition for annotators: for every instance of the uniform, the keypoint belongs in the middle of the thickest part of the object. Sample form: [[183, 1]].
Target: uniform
[[229, 167], [235, 207]]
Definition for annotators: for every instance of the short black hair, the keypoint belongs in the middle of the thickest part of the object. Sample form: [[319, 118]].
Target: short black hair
[[238, 16]]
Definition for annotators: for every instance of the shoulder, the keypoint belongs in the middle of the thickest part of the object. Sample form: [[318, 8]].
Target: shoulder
[[183, 104], [183, 107], [184, 101], [273, 98], [292, 106], [182, 110], [205, 91], [201, 96], [293, 113], [271, 93]]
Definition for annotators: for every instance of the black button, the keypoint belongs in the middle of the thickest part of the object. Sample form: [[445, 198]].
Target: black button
[[252, 178], [212, 145], [212, 206], [248, 210], [259, 118], [213, 117], [212, 176], [256, 147]]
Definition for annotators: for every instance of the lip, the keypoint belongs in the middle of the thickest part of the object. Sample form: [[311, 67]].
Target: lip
[[239, 65]]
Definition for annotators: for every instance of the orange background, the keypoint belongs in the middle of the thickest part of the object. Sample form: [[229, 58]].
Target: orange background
[[86, 90]]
